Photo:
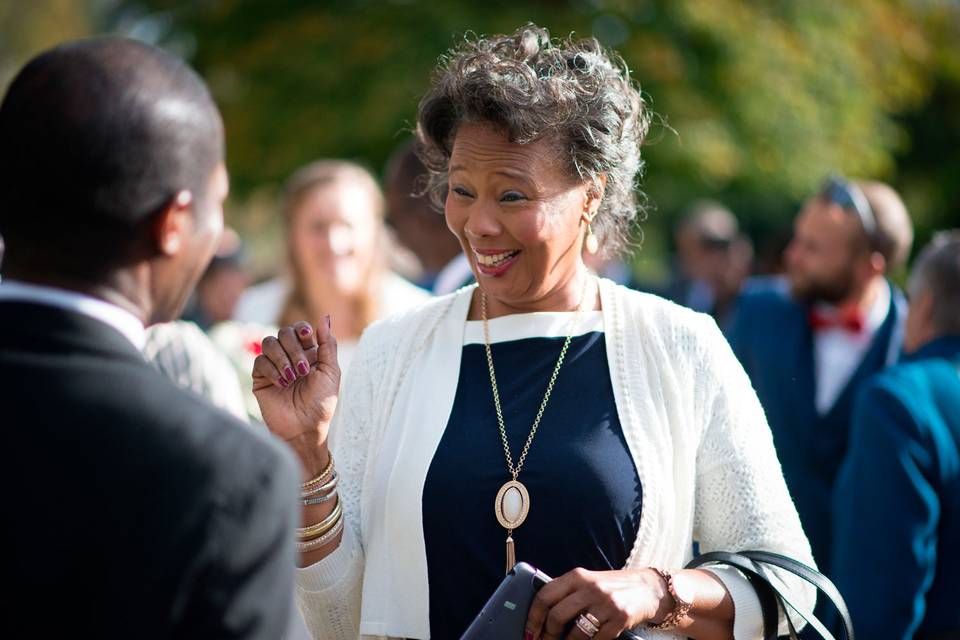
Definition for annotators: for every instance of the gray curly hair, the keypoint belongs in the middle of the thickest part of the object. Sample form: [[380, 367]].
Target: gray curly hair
[[533, 87]]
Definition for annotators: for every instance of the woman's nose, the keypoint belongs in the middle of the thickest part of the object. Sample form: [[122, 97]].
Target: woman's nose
[[482, 221]]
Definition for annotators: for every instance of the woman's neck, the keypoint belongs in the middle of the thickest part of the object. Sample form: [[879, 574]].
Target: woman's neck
[[581, 288]]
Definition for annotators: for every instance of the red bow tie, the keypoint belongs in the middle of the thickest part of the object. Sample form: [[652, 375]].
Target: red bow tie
[[847, 318]]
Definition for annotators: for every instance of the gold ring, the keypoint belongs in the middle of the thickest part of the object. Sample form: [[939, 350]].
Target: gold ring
[[592, 618], [587, 626]]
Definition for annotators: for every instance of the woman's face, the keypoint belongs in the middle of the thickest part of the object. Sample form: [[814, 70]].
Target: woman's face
[[519, 218], [334, 236]]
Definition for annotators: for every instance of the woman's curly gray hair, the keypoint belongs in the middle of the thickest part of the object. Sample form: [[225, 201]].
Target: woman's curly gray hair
[[533, 87]]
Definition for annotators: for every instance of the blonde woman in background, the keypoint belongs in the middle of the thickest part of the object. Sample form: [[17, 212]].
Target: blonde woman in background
[[338, 257]]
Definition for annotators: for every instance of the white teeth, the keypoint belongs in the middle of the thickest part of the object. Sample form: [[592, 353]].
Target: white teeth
[[495, 259]]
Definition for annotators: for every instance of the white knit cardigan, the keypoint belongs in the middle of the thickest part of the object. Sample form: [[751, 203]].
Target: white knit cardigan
[[691, 419]]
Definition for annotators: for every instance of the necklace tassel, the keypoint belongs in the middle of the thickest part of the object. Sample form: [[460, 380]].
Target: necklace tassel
[[511, 554]]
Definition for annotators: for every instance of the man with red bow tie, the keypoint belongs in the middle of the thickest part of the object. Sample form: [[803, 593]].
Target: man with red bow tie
[[808, 346]]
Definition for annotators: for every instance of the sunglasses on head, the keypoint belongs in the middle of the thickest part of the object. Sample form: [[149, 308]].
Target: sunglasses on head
[[850, 197]]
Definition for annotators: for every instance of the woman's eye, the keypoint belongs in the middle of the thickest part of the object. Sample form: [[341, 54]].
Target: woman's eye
[[512, 196], [460, 191]]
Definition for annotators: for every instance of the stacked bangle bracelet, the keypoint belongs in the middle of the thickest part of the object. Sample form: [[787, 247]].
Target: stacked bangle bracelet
[[319, 490], [316, 543], [320, 480], [322, 489], [320, 528]]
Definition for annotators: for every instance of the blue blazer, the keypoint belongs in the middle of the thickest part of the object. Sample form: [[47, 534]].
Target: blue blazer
[[896, 555], [773, 340]]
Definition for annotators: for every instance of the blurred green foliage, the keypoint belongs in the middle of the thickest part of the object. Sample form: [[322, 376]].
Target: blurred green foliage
[[757, 101]]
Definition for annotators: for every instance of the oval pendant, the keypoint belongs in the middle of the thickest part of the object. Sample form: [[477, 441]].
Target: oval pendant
[[512, 504]]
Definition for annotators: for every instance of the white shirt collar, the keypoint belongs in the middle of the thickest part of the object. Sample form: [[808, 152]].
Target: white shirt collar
[[838, 353], [120, 319]]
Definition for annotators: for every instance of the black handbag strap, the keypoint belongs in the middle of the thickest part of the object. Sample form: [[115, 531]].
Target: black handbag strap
[[751, 564]]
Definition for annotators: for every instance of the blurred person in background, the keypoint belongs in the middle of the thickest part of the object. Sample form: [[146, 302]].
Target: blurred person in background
[[216, 296], [896, 554], [420, 227], [184, 353], [337, 254], [808, 349], [112, 181], [713, 260]]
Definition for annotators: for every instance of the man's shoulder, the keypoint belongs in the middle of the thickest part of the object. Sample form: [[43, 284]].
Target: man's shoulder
[[208, 435], [767, 293], [172, 427], [911, 380]]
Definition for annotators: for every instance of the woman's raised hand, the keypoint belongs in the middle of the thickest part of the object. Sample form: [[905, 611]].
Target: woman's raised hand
[[296, 381]]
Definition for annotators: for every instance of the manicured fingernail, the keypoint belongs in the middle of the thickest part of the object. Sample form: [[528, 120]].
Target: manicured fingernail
[[290, 375], [327, 318], [283, 383], [303, 368], [305, 331]]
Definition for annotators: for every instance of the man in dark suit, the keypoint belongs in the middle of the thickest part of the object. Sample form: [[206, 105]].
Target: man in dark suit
[[132, 509], [896, 554], [808, 346]]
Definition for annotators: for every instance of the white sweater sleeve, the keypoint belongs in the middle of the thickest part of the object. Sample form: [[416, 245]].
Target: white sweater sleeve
[[742, 500], [328, 593]]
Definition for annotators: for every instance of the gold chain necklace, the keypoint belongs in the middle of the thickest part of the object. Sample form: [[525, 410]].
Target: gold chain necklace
[[513, 500]]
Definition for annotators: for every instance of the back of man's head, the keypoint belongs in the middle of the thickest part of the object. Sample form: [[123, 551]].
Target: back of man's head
[[894, 234], [96, 138], [937, 272]]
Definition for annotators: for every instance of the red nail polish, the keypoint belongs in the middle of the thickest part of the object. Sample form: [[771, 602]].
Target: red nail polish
[[288, 372], [305, 331], [303, 368]]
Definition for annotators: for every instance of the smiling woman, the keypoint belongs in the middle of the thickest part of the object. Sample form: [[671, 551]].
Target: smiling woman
[[543, 415]]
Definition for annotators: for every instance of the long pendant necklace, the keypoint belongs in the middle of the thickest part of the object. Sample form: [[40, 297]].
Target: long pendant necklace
[[513, 500]]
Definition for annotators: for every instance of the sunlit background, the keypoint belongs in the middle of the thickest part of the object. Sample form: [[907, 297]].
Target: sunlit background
[[757, 101]]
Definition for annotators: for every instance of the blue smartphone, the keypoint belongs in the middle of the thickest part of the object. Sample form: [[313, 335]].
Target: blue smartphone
[[504, 615]]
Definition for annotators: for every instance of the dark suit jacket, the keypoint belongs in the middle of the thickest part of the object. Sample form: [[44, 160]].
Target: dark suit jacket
[[896, 555], [773, 340], [132, 509]]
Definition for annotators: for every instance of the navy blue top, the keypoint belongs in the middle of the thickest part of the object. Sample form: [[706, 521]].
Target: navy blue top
[[585, 493]]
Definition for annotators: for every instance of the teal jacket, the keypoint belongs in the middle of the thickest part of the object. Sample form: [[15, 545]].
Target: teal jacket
[[896, 535]]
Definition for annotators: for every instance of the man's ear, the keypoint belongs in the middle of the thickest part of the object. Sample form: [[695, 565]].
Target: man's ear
[[923, 306], [173, 225], [877, 262]]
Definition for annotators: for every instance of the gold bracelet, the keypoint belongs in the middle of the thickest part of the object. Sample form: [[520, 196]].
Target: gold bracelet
[[314, 530], [320, 479], [680, 606], [316, 543]]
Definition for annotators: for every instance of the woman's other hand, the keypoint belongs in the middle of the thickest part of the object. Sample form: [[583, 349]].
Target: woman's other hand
[[626, 598], [618, 599], [296, 381]]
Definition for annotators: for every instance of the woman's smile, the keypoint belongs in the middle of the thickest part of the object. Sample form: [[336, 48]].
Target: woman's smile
[[495, 262]]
